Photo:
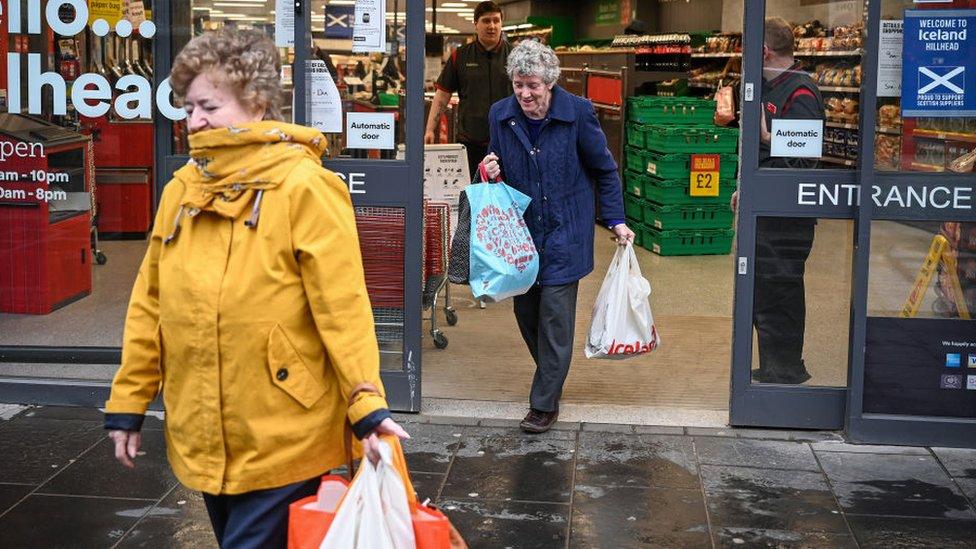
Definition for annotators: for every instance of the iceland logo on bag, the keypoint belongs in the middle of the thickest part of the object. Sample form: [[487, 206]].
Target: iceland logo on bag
[[495, 229]]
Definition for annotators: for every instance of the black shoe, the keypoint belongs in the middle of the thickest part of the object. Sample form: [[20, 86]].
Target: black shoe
[[538, 422], [782, 378]]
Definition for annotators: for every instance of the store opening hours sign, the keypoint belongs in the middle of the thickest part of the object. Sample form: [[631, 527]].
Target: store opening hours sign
[[704, 174], [938, 76]]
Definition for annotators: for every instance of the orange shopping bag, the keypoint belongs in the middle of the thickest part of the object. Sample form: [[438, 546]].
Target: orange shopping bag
[[309, 519]]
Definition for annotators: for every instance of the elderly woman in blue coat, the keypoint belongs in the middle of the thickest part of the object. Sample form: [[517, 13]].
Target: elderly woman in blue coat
[[551, 147]]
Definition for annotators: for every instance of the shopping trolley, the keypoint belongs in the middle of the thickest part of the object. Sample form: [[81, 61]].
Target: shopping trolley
[[382, 235], [437, 233]]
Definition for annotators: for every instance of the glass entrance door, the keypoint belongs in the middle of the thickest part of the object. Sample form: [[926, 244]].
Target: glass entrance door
[[799, 189], [914, 370]]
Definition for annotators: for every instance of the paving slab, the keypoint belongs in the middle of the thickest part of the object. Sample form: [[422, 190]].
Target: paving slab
[[504, 468], [179, 521], [431, 447], [629, 517], [64, 412], [710, 431], [908, 532], [11, 494], [98, 473], [607, 428], [69, 522], [606, 459], [508, 524], [960, 462], [895, 485], [36, 449], [771, 454], [427, 485], [659, 430], [780, 539], [773, 500], [840, 446], [767, 434]]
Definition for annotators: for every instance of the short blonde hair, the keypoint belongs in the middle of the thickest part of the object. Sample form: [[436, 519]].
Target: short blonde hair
[[246, 61]]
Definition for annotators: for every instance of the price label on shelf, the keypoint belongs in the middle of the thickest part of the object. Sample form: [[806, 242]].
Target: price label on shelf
[[704, 174]]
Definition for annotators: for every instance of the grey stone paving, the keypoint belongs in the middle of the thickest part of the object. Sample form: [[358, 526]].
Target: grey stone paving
[[586, 485]]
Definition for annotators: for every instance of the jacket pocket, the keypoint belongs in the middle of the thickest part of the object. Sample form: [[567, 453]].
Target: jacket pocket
[[289, 372]]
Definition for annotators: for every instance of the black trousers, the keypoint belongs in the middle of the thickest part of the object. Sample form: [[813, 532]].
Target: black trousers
[[546, 316], [779, 308], [476, 153], [258, 519]]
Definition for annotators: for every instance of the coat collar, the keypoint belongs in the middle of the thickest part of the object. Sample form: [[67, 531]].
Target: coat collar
[[560, 108]]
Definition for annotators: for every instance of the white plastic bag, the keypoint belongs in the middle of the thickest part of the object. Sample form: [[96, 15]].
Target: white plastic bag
[[375, 513], [622, 325]]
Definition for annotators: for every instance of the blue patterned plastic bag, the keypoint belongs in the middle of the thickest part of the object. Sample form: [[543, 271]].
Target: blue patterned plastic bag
[[504, 261]]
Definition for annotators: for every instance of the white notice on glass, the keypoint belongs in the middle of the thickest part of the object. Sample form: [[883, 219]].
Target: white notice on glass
[[284, 23], [324, 103], [369, 26], [369, 130], [889, 57], [797, 138]]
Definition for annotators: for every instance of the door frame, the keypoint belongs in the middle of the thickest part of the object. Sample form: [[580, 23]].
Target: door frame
[[865, 427], [772, 192]]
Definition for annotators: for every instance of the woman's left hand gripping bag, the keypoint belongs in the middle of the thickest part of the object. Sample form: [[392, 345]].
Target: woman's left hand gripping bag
[[375, 513], [504, 261]]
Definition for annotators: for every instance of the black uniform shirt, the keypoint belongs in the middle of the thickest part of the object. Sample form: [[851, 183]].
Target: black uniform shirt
[[479, 78], [792, 94]]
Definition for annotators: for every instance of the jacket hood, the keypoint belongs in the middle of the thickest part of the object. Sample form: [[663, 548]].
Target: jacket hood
[[230, 168], [232, 163]]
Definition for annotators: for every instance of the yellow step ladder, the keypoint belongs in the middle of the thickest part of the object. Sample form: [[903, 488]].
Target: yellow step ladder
[[937, 253]]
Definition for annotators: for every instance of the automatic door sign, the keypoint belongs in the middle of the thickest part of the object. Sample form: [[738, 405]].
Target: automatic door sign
[[939, 76]]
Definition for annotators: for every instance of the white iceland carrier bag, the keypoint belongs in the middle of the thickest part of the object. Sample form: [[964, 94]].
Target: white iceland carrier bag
[[375, 513], [622, 325]]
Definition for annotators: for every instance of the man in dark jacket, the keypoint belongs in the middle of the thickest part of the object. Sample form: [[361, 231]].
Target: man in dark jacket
[[476, 71], [551, 147], [782, 244]]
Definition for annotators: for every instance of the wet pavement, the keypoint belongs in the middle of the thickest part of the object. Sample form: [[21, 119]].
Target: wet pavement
[[578, 486]]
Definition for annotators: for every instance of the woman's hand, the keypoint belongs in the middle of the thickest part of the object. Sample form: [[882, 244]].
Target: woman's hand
[[490, 163], [371, 442], [126, 446], [623, 234]]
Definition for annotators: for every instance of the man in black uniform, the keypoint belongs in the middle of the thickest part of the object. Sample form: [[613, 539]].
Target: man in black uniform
[[782, 244], [476, 71]]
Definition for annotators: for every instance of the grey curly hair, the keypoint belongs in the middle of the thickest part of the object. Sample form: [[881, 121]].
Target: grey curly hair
[[533, 58], [245, 60]]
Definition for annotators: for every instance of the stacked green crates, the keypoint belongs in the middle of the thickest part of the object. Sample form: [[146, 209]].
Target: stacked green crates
[[662, 135]]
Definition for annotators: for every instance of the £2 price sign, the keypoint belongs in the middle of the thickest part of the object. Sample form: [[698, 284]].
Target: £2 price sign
[[704, 174]]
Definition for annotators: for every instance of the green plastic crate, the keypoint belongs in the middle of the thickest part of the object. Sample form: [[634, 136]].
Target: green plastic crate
[[687, 241], [678, 191], [649, 109], [636, 159], [638, 234], [636, 135], [690, 139], [634, 182], [678, 165], [687, 216], [634, 207]]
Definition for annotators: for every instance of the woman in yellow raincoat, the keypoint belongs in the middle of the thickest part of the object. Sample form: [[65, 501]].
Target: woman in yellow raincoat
[[250, 310]]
